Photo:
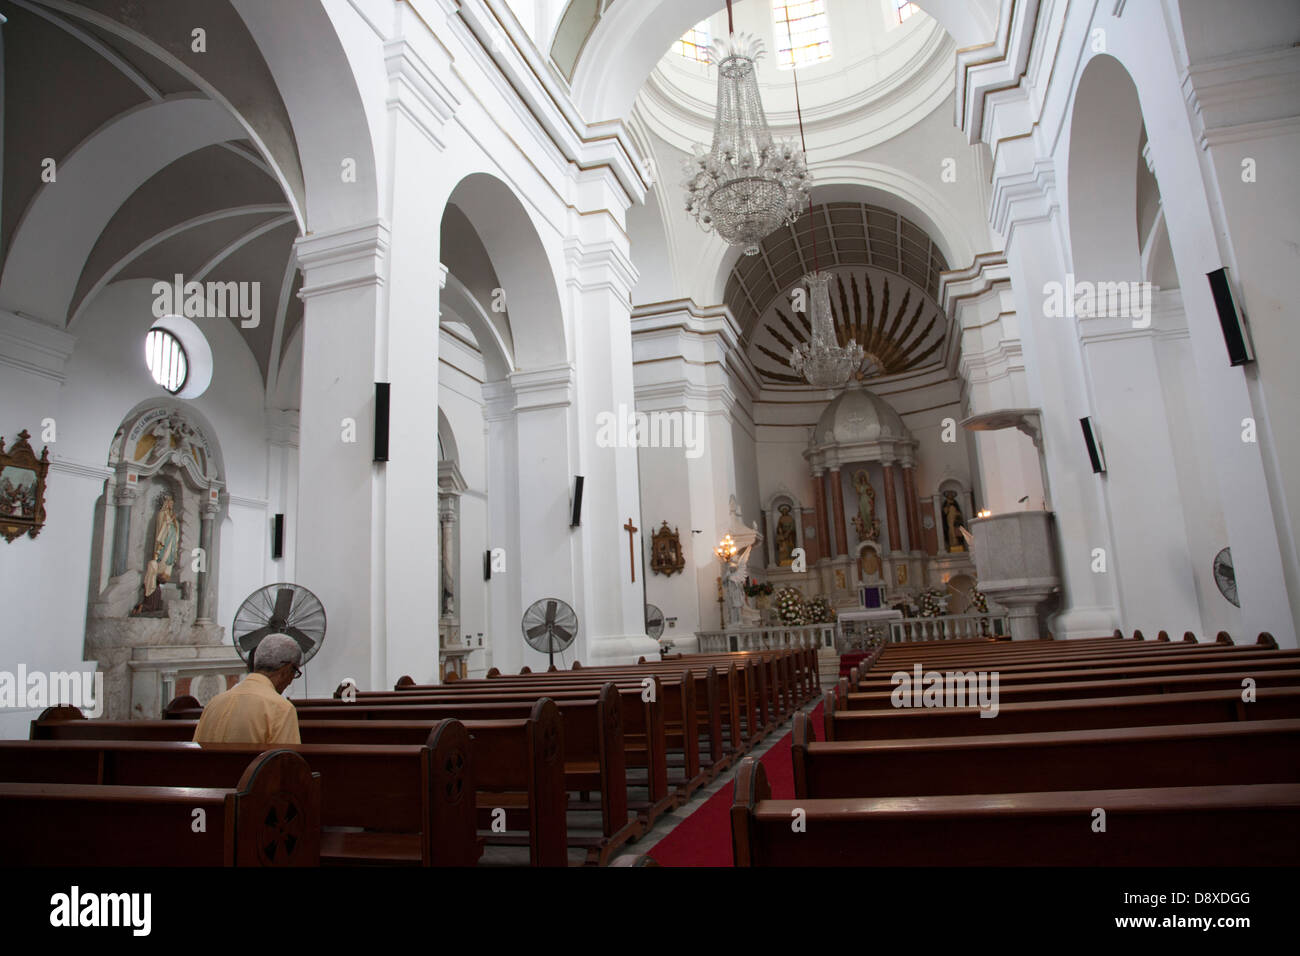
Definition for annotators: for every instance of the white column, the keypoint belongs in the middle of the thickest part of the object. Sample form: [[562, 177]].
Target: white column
[[338, 556], [503, 642], [681, 354], [601, 277], [1026, 213]]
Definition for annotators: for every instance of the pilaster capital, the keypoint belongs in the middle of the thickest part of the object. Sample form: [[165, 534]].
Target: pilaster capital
[[553, 387], [602, 264], [343, 259]]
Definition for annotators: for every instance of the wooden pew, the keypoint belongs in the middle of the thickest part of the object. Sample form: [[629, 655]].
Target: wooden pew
[[1181, 755], [1241, 825], [510, 763], [643, 736], [270, 817], [593, 751], [1116, 687], [1272, 703], [669, 722], [1236, 658]]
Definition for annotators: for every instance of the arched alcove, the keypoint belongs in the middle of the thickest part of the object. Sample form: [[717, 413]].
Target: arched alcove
[[518, 257]]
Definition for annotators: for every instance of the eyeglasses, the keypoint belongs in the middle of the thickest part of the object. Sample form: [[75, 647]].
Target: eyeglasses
[[297, 672]]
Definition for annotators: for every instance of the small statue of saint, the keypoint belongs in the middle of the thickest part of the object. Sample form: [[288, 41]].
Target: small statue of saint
[[953, 522], [167, 540], [786, 538]]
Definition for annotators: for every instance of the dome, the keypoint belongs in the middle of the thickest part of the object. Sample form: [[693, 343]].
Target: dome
[[857, 415]]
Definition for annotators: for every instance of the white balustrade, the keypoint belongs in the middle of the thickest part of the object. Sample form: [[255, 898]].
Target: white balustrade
[[767, 637], [948, 627]]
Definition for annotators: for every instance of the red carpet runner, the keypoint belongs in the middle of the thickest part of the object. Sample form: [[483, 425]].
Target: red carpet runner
[[704, 838]]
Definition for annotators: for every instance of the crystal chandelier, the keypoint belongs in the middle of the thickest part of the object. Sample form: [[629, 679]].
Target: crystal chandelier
[[822, 360], [747, 185]]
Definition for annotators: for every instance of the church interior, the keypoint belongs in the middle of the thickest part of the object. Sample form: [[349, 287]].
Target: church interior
[[624, 400]]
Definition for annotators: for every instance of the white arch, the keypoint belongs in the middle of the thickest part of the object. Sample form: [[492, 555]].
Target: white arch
[[1105, 132], [631, 37], [316, 80], [520, 260], [859, 181]]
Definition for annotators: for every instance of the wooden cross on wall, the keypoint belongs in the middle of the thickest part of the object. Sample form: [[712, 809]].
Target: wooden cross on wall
[[631, 529]]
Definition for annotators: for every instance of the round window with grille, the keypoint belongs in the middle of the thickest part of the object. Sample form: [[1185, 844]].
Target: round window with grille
[[166, 358]]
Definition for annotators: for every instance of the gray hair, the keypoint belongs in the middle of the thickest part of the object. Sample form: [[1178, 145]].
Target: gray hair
[[274, 651]]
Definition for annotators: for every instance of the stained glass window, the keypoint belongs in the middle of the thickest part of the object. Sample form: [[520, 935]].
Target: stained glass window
[[802, 33], [694, 44]]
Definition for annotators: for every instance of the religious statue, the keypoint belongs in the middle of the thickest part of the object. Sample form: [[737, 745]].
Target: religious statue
[[735, 585], [864, 522], [167, 540], [869, 564], [448, 582], [786, 540], [953, 523], [162, 441]]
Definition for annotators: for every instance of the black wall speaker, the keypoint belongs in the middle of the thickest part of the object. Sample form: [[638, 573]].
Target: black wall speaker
[[277, 537], [1094, 447], [576, 518], [381, 420], [487, 565], [1235, 334]]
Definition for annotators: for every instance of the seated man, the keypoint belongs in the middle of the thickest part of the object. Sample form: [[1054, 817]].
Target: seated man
[[254, 712]]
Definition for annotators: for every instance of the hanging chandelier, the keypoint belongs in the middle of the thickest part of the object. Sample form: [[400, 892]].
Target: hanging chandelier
[[822, 361], [747, 185]]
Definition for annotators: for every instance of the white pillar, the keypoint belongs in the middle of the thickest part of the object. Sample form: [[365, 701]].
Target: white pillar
[[601, 277], [1055, 376]]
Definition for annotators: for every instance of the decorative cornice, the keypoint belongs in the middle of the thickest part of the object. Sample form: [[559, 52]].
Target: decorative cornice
[[80, 469], [1023, 198], [994, 67], [257, 504], [417, 92], [1244, 96], [604, 264], [494, 38], [34, 347]]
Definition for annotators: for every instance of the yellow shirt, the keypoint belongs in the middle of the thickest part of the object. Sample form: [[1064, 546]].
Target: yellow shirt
[[252, 712]]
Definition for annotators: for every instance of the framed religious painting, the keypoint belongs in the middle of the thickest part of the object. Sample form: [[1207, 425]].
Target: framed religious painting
[[22, 488], [666, 551]]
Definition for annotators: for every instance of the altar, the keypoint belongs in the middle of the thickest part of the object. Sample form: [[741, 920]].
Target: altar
[[865, 626]]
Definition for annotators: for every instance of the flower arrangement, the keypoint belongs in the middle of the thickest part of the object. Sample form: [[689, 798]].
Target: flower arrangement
[[978, 601], [931, 603], [756, 588], [790, 606], [818, 610]]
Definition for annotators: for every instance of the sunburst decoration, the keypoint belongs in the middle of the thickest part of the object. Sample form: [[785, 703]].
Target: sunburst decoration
[[892, 341]]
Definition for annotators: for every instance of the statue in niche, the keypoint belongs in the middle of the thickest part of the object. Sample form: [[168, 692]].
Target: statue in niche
[[448, 584], [869, 564], [864, 522], [786, 537], [735, 584], [953, 523], [167, 542]]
